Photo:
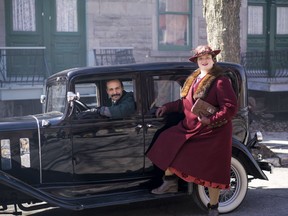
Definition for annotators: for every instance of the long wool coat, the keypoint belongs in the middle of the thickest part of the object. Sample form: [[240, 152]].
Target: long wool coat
[[198, 153]]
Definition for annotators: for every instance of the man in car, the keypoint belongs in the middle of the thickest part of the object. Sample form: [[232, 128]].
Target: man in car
[[120, 103]]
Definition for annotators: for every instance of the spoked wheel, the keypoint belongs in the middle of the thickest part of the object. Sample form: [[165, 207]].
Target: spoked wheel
[[229, 199]]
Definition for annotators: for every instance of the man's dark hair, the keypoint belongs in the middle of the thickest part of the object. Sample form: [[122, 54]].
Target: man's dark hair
[[115, 80]]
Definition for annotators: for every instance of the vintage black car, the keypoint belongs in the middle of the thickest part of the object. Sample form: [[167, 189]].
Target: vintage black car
[[65, 160]]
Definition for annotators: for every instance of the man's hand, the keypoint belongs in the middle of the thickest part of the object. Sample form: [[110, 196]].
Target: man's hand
[[161, 111], [93, 110], [104, 111], [89, 114]]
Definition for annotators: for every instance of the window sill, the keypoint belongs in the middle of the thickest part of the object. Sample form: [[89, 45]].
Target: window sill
[[156, 53]]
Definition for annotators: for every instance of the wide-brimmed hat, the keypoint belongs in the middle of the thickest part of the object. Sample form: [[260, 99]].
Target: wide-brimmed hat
[[203, 50]]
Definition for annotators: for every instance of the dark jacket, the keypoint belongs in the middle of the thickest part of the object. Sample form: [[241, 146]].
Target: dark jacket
[[124, 107]]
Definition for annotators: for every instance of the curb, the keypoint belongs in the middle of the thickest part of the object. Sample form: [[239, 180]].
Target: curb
[[281, 154], [277, 144]]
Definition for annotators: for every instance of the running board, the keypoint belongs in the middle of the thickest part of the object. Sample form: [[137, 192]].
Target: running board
[[80, 203]]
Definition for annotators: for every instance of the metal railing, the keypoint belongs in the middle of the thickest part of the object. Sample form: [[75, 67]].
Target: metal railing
[[23, 64], [28, 64], [272, 64], [113, 55]]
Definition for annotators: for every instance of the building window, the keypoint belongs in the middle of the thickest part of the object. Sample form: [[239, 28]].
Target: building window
[[67, 19], [255, 20], [24, 15], [282, 20], [174, 25]]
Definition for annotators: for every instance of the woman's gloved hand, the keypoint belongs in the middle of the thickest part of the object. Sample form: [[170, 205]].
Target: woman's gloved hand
[[161, 111]]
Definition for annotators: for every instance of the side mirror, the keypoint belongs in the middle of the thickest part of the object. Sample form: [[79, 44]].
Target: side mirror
[[71, 96], [42, 99], [259, 136]]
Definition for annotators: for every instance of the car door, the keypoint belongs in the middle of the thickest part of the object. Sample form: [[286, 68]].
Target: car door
[[107, 151], [163, 87]]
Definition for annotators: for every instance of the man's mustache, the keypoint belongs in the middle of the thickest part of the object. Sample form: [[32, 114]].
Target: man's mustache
[[115, 95]]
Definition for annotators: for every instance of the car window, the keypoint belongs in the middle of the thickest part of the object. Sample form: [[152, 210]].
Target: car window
[[56, 97], [93, 94], [89, 94], [165, 90]]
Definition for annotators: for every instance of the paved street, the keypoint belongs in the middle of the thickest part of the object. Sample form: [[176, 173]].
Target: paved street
[[265, 198]]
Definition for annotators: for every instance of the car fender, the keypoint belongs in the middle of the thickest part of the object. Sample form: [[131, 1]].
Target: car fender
[[240, 151], [19, 185]]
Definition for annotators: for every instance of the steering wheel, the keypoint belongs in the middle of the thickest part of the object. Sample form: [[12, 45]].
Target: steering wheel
[[80, 106], [83, 111]]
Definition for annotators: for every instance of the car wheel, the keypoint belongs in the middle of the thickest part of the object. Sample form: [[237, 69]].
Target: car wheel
[[229, 199]]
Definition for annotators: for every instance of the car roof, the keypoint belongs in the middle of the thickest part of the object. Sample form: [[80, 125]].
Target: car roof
[[75, 72]]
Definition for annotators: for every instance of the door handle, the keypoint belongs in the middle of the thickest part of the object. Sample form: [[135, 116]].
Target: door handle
[[149, 125], [138, 128]]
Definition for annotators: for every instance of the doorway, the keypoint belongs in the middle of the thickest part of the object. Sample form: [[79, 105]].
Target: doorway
[[267, 26], [56, 25]]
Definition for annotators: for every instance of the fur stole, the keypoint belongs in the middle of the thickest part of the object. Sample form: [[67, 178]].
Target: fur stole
[[203, 86]]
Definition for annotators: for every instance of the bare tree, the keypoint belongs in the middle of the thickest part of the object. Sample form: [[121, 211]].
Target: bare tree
[[223, 27]]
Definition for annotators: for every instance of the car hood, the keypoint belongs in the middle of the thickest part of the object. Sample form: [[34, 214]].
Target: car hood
[[27, 122]]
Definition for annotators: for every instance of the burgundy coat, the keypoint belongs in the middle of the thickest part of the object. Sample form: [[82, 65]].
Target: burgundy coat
[[193, 149]]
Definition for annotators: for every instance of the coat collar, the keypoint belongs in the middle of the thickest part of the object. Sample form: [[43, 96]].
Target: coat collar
[[203, 86]]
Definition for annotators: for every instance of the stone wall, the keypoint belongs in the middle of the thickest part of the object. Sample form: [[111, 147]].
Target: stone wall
[[120, 24]]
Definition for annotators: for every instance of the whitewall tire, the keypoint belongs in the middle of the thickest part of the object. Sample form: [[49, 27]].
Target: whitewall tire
[[229, 199]]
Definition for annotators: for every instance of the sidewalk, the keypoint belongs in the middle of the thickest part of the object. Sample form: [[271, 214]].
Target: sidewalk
[[277, 143]]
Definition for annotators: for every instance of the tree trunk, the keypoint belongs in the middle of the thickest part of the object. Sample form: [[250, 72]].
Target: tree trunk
[[223, 27]]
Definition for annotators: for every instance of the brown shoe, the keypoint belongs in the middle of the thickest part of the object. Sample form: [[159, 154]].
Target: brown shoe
[[168, 186]]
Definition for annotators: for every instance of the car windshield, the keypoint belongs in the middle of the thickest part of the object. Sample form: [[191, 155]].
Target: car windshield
[[56, 96]]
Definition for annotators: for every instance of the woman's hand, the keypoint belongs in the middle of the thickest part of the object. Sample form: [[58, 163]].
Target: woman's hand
[[161, 111], [204, 120]]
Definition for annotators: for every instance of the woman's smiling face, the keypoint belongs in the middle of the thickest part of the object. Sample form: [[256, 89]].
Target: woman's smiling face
[[205, 62]]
